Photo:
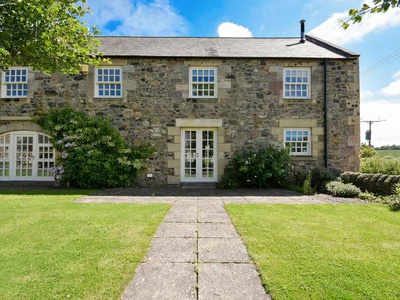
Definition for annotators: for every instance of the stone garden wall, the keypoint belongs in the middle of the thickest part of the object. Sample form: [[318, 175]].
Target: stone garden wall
[[375, 183]]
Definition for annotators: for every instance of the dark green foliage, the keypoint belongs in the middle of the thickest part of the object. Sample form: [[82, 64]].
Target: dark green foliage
[[394, 202], [321, 176], [392, 147], [367, 151], [307, 188], [47, 35], [92, 153], [377, 6], [257, 165], [340, 189]]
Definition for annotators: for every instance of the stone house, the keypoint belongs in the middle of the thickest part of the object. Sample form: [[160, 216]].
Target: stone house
[[197, 100]]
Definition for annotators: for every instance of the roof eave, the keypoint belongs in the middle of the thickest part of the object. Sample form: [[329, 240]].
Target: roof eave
[[331, 47]]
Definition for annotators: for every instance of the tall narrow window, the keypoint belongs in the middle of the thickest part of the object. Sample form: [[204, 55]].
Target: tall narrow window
[[108, 82], [298, 141], [15, 83], [296, 83], [203, 82]]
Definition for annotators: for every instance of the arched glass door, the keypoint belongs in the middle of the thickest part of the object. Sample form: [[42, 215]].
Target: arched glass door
[[26, 155]]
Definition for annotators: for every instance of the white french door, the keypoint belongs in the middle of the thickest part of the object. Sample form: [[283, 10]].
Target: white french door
[[26, 156], [199, 155]]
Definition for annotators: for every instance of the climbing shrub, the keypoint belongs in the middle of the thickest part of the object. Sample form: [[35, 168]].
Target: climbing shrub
[[92, 153], [257, 165]]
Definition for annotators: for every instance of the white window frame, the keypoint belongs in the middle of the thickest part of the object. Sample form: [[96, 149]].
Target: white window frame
[[4, 83], [288, 139], [297, 83], [97, 83], [191, 82]]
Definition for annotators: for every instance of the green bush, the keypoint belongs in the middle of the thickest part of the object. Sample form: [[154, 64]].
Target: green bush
[[380, 165], [321, 176], [92, 153], [307, 188], [257, 165], [367, 196], [340, 189], [367, 151], [394, 203]]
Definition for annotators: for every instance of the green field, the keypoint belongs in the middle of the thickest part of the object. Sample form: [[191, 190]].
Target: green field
[[394, 153]]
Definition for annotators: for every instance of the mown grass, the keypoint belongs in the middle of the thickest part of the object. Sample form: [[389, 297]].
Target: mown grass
[[323, 251], [52, 248]]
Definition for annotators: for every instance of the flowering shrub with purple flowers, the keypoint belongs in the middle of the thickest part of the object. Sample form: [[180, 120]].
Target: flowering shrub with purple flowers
[[92, 154]]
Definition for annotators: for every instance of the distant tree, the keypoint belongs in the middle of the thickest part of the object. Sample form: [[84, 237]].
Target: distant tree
[[392, 147], [378, 6], [47, 35]]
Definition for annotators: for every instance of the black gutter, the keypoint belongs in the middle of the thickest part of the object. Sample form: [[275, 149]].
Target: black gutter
[[326, 113]]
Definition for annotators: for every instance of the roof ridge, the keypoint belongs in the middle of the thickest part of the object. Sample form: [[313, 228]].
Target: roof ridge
[[193, 37]]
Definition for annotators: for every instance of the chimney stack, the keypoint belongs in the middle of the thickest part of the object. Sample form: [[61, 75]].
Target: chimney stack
[[302, 30]]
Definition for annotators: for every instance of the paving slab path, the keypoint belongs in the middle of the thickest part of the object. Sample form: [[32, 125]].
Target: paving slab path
[[196, 252]]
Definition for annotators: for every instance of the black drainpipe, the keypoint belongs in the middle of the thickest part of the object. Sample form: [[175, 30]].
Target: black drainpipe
[[326, 112]]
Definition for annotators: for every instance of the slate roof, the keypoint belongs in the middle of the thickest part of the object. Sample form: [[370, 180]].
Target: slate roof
[[221, 47]]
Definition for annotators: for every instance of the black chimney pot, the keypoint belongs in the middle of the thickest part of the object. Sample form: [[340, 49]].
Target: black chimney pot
[[302, 35]]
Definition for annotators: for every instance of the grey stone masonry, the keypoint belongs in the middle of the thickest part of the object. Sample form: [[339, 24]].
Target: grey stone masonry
[[250, 106]]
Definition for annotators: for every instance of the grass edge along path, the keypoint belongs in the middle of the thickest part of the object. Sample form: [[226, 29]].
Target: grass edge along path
[[322, 251], [52, 248]]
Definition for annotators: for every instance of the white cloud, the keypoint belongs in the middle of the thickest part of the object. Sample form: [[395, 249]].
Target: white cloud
[[393, 89], [383, 133], [139, 18], [228, 29], [366, 95], [330, 30]]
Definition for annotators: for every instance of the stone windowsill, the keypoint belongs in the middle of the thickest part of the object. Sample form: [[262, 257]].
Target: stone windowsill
[[202, 100]]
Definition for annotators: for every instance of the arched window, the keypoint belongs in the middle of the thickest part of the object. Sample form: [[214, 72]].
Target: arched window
[[26, 155]]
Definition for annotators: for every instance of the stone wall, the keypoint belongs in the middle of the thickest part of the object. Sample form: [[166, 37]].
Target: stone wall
[[375, 183], [249, 106]]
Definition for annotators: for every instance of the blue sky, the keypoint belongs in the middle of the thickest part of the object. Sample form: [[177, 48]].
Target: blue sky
[[376, 39]]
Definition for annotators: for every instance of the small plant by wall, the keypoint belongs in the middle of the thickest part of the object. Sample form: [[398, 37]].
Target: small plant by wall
[[92, 154], [340, 189]]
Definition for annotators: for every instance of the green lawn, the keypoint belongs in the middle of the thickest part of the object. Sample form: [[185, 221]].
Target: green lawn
[[394, 153], [323, 251], [52, 248]]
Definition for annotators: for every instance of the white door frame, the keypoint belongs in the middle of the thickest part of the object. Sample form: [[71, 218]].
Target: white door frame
[[197, 155], [34, 157]]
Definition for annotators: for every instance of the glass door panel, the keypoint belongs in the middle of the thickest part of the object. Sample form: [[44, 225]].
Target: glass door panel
[[24, 158], [199, 159]]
